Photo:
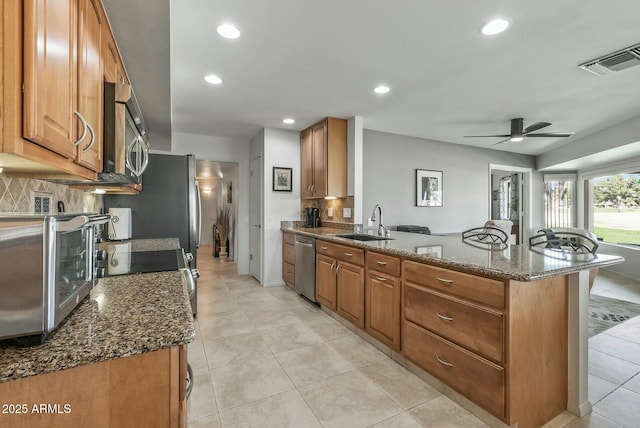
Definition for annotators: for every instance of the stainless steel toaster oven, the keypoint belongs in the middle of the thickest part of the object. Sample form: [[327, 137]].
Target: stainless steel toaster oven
[[47, 266]]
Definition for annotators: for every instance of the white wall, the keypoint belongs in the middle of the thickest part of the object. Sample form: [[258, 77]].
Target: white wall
[[281, 149], [390, 162], [225, 150]]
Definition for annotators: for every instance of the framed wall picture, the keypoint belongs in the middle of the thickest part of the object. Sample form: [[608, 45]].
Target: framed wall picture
[[428, 188], [281, 179]]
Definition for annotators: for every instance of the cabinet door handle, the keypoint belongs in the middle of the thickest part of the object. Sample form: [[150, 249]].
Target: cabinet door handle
[[442, 317], [381, 263], [381, 279], [445, 281], [84, 128], [332, 266], [348, 254], [93, 138], [337, 269], [313, 186], [443, 362]]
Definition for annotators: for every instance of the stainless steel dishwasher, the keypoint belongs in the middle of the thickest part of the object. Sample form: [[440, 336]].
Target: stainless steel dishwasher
[[305, 249]]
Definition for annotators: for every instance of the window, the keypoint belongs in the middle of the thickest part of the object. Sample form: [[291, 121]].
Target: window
[[616, 208], [559, 196]]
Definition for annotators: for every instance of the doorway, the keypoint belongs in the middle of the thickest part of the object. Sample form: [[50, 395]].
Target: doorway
[[510, 198], [218, 183], [255, 209]]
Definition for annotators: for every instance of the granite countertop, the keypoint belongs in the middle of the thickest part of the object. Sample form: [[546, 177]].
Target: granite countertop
[[501, 261], [122, 316]]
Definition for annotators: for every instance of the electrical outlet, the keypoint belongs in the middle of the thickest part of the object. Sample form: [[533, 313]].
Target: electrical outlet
[[330, 212], [346, 212], [369, 222]]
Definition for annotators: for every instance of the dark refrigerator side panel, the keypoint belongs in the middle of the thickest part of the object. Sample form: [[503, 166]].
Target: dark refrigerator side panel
[[161, 210]]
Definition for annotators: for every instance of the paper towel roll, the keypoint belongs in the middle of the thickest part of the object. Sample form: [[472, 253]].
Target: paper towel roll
[[120, 225]]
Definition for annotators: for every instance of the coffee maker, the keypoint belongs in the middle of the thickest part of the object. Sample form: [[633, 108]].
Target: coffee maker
[[312, 217]]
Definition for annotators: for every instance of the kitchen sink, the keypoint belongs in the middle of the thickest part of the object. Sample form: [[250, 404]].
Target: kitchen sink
[[363, 237]]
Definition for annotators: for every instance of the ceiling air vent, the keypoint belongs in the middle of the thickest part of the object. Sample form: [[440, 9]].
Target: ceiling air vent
[[613, 62]]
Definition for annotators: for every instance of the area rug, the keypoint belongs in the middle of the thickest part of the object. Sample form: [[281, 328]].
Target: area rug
[[605, 313]]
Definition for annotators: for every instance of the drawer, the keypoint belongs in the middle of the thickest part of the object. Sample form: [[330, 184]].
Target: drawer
[[288, 238], [289, 255], [479, 380], [341, 252], [466, 286], [383, 263], [478, 329], [289, 273]]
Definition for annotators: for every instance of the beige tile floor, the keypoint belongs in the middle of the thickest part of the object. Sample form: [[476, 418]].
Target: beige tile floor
[[265, 357]]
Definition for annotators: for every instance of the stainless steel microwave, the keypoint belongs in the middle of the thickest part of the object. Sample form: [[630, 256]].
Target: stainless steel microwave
[[126, 144], [47, 266]]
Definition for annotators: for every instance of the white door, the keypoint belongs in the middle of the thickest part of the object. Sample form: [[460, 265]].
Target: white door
[[255, 236]]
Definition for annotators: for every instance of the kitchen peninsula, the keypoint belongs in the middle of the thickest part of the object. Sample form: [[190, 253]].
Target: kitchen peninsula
[[119, 359], [503, 325]]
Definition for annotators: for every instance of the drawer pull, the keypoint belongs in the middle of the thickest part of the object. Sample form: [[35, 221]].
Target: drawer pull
[[382, 263], [379, 278], [445, 281], [348, 254], [324, 248], [442, 317], [444, 363]]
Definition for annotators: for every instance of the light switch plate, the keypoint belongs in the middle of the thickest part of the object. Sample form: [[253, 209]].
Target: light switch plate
[[346, 212], [369, 222], [330, 212]]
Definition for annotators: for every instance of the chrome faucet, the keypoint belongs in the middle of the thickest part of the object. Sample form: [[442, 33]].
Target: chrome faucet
[[382, 231]]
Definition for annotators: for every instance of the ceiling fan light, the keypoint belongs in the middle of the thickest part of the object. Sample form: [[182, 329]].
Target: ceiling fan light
[[228, 31], [495, 26]]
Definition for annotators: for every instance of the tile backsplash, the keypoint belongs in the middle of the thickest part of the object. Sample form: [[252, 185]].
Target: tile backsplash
[[17, 195], [324, 204]]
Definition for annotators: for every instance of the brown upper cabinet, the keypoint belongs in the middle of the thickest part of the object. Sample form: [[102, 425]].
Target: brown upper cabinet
[[53, 69], [63, 81], [323, 159]]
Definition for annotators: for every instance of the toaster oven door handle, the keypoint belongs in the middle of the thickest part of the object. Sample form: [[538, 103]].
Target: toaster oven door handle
[[80, 221]]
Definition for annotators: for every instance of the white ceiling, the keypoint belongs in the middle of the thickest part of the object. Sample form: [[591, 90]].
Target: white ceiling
[[310, 59]]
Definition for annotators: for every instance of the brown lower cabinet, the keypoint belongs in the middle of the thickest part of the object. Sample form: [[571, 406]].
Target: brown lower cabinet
[[382, 298], [340, 280], [145, 390], [501, 344]]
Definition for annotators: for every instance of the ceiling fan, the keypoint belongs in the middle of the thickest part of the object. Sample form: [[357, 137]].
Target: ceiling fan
[[519, 134]]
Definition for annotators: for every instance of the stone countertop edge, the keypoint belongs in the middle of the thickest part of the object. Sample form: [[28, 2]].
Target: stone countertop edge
[[136, 245], [122, 316], [511, 262]]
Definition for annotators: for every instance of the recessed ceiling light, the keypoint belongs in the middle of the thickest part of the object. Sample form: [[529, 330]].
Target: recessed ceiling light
[[228, 31], [495, 26], [288, 121], [213, 79], [381, 89]]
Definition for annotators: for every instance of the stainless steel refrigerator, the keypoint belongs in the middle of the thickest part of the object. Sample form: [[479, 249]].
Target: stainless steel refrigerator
[[168, 205]]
